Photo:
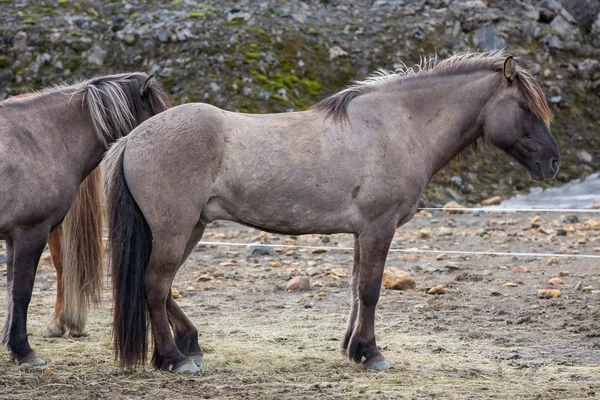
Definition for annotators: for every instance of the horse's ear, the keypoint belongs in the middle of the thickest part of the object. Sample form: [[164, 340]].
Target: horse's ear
[[145, 89], [510, 68]]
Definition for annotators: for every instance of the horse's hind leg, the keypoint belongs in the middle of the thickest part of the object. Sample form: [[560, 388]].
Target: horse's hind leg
[[164, 262], [186, 334], [27, 247], [353, 296], [56, 327], [374, 246]]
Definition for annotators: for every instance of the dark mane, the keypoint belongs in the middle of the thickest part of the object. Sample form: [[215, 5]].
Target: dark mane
[[336, 106]]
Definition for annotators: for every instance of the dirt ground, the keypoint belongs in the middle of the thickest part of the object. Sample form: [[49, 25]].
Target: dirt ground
[[478, 340]]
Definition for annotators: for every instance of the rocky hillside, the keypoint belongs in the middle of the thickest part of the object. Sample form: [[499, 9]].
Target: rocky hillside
[[275, 56]]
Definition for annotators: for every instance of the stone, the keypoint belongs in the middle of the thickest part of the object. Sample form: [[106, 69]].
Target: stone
[[175, 293], [448, 207], [20, 41], [45, 259], [563, 273], [519, 269], [548, 293], [336, 52], [424, 234], [97, 56], [204, 278], [595, 32], [491, 201], [258, 250], [445, 231], [508, 284], [563, 30], [47, 372], [561, 232], [219, 274], [298, 283], [583, 157], [569, 219], [2, 258], [396, 279], [439, 289], [274, 264], [578, 286], [441, 257], [214, 87], [582, 10], [552, 261], [556, 281], [487, 38], [319, 250]]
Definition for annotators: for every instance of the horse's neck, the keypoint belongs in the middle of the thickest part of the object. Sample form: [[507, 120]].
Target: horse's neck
[[446, 115], [74, 132]]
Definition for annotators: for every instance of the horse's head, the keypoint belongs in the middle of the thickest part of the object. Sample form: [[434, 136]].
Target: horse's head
[[147, 97], [517, 119]]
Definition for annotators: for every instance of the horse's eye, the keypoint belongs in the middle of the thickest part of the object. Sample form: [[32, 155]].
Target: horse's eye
[[525, 108]]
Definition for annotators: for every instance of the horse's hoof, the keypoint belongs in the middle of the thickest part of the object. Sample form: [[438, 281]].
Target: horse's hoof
[[189, 367], [378, 366], [48, 333], [34, 361], [198, 360], [79, 334]]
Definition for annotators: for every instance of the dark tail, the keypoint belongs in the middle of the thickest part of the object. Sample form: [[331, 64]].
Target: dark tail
[[129, 248]]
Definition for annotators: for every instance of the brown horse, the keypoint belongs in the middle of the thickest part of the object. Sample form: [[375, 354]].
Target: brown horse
[[49, 143], [355, 163]]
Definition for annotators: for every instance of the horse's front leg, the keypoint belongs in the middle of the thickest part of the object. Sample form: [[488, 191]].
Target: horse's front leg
[[353, 295], [27, 247], [374, 245], [56, 327]]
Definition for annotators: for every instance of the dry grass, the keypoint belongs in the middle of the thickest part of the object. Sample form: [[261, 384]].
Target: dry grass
[[260, 342]]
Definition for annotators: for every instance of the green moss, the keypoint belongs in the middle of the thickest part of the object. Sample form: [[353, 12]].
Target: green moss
[[248, 107], [76, 34], [300, 104], [261, 31], [4, 61], [135, 14], [251, 55], [312, 86], [196, 14], [177, 2], [277, 97], [28, 21]]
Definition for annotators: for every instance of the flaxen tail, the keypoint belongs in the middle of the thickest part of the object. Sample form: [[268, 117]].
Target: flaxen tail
[[82, 252], [129, 248]]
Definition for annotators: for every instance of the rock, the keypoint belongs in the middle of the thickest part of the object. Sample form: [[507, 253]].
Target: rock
[[319, 250], [487, 38], [298, 283], [274, 264], [214, 87], [238, 16], [175, 293], [20, 41], [219, 274], [552, 261], [424, 234], [2, 258], [519, 269], [595, 32], [563, 273], [445, 231], [561, 232], [322, 294], [491, 201], [439, 289], [582, 10], [258, 250], [396, 279], [548, 293], [569, 219], [204, 278], [448, 207], [336, 52], [583, 157], [556, 281], [508, 284], [587, 289], [578, 286], [441, 257], [535, 222], [47, 372], [97, 56], [45, 259]]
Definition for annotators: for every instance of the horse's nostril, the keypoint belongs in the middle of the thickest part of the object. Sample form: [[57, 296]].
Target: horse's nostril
[[555, 165]]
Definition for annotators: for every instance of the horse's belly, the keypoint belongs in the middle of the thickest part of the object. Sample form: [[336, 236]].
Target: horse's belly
[[284, 217]]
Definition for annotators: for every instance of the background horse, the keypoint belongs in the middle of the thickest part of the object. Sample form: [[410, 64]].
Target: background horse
[[79, 268], [355, 163], [49, 143]]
